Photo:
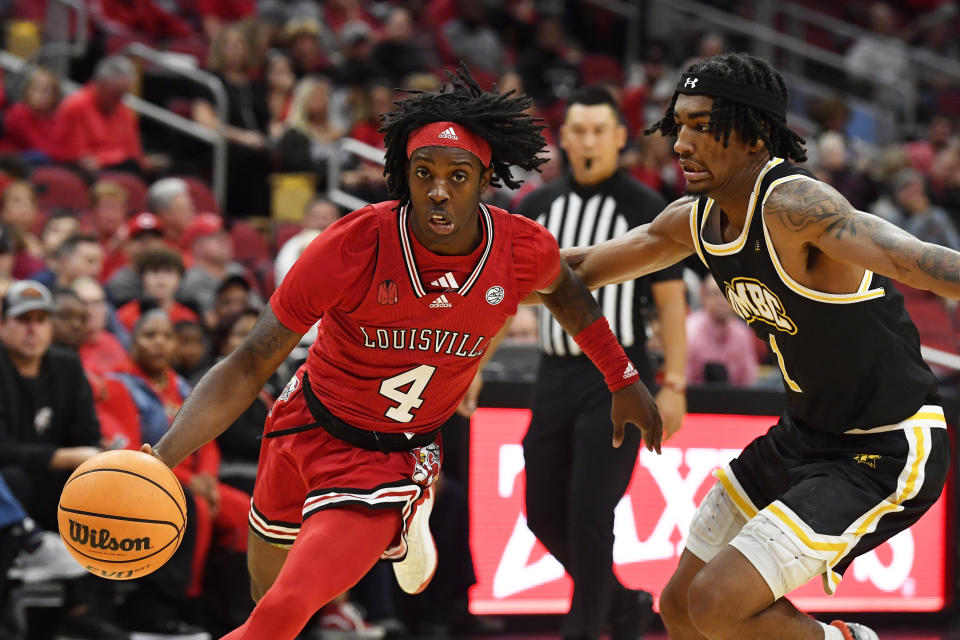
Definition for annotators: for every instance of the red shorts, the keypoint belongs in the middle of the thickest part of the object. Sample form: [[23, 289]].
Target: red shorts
[[302, 473]]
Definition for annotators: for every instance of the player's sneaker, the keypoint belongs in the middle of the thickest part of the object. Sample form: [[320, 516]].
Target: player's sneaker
[[48, 560], [416, 570], [855, 631]]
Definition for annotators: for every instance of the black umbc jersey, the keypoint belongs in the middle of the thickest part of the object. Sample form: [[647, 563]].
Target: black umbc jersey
[[849, 361]]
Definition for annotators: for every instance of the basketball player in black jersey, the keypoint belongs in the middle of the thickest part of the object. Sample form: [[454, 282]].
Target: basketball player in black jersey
[[861, 452]]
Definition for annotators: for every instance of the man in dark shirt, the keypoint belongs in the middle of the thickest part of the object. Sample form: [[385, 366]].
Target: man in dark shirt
[[48, 427]]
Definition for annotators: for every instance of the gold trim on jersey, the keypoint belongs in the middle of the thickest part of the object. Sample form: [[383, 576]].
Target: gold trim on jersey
[[929, 415], [729, 248], [862, 293], [783, 367], [694, 209]]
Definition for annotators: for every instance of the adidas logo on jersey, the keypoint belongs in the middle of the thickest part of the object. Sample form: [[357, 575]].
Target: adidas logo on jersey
[[440, 303], [630, 371], [448, 133], [447, 281]]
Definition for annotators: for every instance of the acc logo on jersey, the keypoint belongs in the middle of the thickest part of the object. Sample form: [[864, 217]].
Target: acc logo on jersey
[[426, 465], [752, 300], [495, 295], [292, 386], [387, 292]]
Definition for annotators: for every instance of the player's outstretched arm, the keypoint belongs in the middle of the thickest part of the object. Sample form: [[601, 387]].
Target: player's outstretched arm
[[227, 389], [578, 313], [644, 249], [817, 214]]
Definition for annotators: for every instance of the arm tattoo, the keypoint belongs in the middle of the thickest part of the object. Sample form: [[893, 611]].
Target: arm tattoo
[[939, 263], [804, 204], [267, 336], [818, 209]]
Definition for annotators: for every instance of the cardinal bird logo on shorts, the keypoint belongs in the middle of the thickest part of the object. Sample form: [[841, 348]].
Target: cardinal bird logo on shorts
[[387, 292], [427, 464]]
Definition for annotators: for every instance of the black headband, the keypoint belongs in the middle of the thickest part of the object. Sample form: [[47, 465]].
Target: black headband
[[701, 84]]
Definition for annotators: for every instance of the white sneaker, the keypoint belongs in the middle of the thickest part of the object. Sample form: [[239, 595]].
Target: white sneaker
[[49, 561], [855, 631], [416, 570]]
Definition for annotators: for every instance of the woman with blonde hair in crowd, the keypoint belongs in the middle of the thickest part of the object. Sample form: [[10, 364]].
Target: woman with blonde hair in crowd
[[232, 60], [309, 142]]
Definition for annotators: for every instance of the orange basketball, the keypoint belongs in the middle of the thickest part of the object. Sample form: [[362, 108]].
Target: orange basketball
[[122, 514]]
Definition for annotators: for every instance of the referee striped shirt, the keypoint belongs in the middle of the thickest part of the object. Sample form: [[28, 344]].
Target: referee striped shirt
[[580, 216]]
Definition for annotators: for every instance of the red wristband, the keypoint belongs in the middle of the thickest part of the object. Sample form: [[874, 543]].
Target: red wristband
[[600, 345]]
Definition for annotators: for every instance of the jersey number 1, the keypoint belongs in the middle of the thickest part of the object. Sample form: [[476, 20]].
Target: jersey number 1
[[415, 380]]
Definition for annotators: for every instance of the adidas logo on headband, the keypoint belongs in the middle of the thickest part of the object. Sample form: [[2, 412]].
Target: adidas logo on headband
[[448, 134]]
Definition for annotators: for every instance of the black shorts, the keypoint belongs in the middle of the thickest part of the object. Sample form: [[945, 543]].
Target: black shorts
[[841, 495]]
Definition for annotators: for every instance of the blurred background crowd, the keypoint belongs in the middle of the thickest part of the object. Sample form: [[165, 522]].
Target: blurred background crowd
[[164, 162]]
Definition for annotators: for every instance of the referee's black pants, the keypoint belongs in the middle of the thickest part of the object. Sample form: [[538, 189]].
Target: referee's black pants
[[574, 480]]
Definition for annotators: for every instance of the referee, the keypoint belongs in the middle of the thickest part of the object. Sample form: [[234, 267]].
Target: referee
[[574, 477]]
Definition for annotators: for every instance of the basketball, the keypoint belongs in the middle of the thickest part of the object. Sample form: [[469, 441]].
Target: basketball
[[122, 514]]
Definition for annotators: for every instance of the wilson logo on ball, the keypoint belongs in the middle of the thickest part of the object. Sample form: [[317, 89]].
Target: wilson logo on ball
[[102, 539]]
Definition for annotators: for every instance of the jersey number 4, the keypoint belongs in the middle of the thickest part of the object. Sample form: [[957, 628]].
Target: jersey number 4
[[407, 389]]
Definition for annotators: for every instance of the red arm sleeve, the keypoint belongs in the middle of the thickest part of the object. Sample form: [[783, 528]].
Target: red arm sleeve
[[536, 255], [335, 270]]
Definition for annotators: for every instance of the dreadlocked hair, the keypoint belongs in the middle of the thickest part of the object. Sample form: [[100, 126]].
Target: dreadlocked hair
[[500, 119], [751, 123]]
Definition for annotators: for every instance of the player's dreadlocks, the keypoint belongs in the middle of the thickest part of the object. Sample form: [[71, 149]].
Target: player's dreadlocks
[[500, 119], [751, 123]]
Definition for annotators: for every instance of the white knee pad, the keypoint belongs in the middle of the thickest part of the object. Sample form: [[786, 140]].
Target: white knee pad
[[780, 559], [715, 524]]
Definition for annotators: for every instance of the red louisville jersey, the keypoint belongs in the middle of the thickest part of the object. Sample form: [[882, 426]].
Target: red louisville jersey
[[403, 329]]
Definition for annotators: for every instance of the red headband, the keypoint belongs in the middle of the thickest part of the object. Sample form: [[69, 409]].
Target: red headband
[[449, 134]]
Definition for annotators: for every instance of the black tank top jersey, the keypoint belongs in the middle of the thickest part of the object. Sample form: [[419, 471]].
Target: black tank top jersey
[[850, 361]]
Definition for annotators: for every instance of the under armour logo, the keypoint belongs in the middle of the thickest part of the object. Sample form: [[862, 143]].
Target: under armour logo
[[691, 83]]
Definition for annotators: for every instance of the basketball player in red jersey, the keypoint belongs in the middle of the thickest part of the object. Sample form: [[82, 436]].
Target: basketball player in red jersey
[[411, 293]]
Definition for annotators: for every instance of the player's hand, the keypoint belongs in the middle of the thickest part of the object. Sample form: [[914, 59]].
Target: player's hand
[[634, 404], [672, 406], [469, 403], [205, 486], [70, 458], [146, 448]]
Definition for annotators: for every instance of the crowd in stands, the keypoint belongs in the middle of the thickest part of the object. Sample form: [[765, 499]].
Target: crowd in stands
[[119, 265]]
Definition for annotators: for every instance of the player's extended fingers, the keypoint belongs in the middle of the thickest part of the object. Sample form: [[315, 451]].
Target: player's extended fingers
[[146, 448], [618, 432]]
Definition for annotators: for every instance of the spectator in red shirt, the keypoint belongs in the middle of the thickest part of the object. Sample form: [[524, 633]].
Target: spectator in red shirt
[[93, 128], [144, 232], [108, 214], [100, 351], [169, 199], [160, 271], [28, 124]]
